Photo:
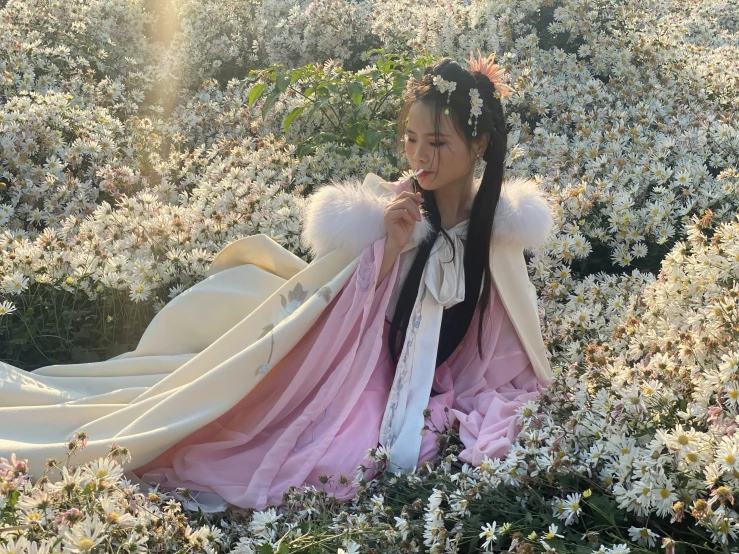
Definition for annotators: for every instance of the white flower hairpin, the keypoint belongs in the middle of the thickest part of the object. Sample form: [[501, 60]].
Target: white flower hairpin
[[445, 86], [475, 109], [487, 67]]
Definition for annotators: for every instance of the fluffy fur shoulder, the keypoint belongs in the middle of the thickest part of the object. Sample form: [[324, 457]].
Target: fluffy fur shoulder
[[349, 215]]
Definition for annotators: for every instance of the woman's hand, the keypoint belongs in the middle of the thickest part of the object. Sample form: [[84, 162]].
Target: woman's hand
[[401, 216]]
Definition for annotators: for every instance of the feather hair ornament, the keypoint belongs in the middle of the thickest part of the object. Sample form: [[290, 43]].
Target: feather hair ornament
[[493, 71]]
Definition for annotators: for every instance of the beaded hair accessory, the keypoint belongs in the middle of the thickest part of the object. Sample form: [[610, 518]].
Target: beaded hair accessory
[[487, 67]]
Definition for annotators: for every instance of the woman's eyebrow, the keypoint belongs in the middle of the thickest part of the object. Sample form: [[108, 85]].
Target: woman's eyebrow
[[428, 134]]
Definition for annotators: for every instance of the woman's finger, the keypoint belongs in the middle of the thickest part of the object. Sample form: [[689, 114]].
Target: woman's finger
[[412, 207], [404, 215], [408, 194], [410, 211]]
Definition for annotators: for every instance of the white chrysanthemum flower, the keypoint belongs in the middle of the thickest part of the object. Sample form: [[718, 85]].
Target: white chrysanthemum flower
[[115, 514], [403, 526], [262, 520], [6, 307], [727, 455], [104, 468], [488, 533], [643, 536], [14, 284], [84, 536]]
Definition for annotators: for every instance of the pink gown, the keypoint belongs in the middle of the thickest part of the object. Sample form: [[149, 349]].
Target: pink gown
[[294, 428]]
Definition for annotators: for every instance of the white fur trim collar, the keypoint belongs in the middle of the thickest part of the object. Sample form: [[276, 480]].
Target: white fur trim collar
[[347, 214]]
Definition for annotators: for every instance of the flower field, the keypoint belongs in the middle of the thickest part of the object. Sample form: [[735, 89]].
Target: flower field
[[139, 137]]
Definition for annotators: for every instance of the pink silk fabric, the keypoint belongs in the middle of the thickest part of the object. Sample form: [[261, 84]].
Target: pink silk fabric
[[318, 411]]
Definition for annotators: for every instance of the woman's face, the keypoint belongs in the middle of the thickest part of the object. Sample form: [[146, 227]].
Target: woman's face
[[447, 158]]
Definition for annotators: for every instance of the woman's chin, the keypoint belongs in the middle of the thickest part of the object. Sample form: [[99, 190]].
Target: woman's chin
[[426, 180]]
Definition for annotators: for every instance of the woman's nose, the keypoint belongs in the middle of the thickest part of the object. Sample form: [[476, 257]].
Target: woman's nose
[[420, 154]]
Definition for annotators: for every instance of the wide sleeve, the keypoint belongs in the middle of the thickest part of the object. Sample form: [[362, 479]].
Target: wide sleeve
[[487, 392]]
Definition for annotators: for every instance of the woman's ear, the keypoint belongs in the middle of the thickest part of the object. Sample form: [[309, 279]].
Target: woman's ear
[[481, 143]]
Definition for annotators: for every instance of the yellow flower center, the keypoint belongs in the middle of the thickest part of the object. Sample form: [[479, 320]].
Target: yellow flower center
[[85, 544]]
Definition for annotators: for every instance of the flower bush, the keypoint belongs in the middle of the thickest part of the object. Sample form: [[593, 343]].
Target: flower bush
[[129, 157]]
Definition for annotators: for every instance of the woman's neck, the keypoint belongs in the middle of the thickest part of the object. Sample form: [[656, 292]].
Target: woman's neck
[[455, 207]]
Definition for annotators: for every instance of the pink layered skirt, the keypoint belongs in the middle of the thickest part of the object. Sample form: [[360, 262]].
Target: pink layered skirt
[[318, 411]]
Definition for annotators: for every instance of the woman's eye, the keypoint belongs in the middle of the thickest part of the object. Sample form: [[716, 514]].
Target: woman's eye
[[434, 144]]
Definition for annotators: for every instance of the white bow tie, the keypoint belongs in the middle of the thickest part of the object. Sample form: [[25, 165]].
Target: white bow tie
[[444, 277], [442, 286]]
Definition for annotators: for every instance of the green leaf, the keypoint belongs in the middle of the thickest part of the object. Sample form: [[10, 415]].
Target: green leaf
[[283, 549], [319, 103], [269, 102], [604, 509], [399, 82], [329, 137], [291, 116], [282, 82], [355, 92], [354, 132], [297, 74], [372, 138], [265, 548], [256, 92], [87, 491], [305, 150]]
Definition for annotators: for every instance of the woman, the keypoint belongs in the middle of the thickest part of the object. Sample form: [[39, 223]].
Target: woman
[[272, 372]]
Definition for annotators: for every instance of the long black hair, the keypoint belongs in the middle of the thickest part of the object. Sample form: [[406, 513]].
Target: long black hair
[[456, 319]]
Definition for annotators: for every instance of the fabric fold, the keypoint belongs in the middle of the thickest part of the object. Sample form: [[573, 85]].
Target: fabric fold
[[482, 395], [277, 435]]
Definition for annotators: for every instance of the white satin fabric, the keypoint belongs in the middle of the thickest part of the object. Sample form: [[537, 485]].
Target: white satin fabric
[[442, 286]]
